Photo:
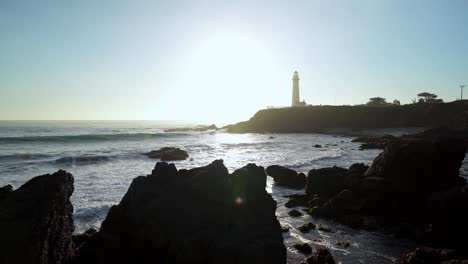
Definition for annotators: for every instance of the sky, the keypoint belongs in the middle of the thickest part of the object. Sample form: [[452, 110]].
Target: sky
[[221, 61]]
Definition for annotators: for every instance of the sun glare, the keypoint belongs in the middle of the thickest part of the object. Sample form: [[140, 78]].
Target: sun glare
[[224, 79]]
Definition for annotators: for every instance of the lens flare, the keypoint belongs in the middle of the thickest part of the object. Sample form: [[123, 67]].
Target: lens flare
[[239, 200]]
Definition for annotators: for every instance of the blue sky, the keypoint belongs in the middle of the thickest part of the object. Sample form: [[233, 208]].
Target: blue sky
[[220, 61]]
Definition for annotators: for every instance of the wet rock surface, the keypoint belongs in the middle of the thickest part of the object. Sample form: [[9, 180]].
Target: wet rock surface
[[412, 189], [228, 218], [286, 177], [320, 256], [168, 154], [36, 220]]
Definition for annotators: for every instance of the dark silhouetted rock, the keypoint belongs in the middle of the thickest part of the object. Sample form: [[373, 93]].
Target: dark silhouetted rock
[[286, 177], [326, 182], [306, 227], [313, 119], [320, 256], [297, 200], [316, 201], [304, 248], [317, 146], [284, 229], [80, 239], [5, 190], [324, 229], [358, 169], [426, 255], [343, 244], [344, 203], [200, 128], [168, 154], [375, 142], [294, 213], [36, 221], [201, 215], [420, 166]]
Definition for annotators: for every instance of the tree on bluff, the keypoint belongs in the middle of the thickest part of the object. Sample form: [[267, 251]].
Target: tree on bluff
[[429, 98], [377, 101]]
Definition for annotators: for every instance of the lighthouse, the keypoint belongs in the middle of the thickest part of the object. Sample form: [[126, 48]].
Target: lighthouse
[[295, 93]]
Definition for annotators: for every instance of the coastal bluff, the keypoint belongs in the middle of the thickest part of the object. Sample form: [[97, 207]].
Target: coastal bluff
[[320, 119]]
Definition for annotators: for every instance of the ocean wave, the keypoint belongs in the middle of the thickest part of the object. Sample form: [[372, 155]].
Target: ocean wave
[[81, 160], [309, 163], [89, 137], [85, 218], [253, 144], [23, 156]]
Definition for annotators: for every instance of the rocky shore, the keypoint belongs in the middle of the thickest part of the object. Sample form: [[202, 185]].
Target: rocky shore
[[208, 215], [412, 190]]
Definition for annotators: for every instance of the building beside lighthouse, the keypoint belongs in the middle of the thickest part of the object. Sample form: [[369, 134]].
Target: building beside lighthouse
[[295, 93]]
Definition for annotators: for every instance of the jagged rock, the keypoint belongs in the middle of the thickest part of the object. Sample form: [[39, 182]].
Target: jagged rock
[[358, 169], [420, 166], [316, 201], [304, 248], [341, 204], [80, 239], [5, 190], [425, 255], [343, 244], [297, 200], [36, 221], [306, 227], [320, 256], [326, 182], [294, 213], [324, 229], [286, 177], [201, 215], [168, 154], [375, 142]]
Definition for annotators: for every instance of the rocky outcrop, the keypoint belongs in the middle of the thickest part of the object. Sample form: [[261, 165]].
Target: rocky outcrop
[[413, 189], [202, 215], [316, 119], [168, 154], [286, 177], [380, 142], [320, 256], [200, 128], [326, 182], [36, 221], [5, 190], [426, 255], [375, 142], [304, 248]]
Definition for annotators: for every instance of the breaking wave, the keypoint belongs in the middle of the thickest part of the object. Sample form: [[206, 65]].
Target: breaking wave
[[89, 137]]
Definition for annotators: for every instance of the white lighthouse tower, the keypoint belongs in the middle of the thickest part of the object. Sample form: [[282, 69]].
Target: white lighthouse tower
[[295, 94]]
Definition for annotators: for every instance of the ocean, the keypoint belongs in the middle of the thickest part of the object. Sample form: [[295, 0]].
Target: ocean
[[104, 157]]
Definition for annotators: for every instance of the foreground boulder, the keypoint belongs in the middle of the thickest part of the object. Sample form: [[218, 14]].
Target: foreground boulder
[[412, 189], [202, 215], [36, 221], [326, 182], [286, 177], [320, 256], [168, 154], [426, 255]]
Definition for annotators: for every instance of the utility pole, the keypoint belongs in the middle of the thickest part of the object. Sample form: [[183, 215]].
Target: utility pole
[[461, 91]]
